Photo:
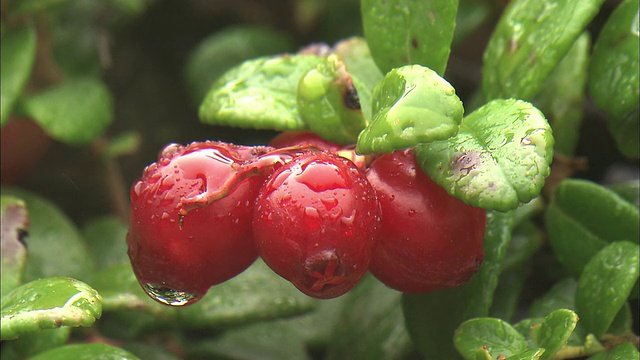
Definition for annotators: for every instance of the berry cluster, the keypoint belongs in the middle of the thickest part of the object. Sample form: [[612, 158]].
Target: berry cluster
[[318, 214]]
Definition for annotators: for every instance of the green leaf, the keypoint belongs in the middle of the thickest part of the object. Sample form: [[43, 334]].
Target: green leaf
[[506, 297], [364, 71], [106, 237], [18, 52], [605, 285], [76, 112], [371, 325], [33, 6], [124, 144], [525, 242], [564, 105], [555, 331], [411, 105], [33, 343], [622, 324], [432, 318], [625, 351], [405, 32], [498, 160], [15, 223], [613, 81], [583, 217], [499, 337], [613, 71], [560, 296], [328, 102], [530, 39], [533, 354], [86, 352], [470, 16], [259, 93], [47, 304], [55, 245], [629, 191], [225, 49]]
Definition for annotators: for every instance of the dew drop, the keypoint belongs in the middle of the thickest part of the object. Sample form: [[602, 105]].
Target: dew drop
[[168, 296]]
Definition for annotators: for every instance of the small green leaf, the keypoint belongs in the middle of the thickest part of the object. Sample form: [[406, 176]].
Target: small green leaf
[[86, 352], [123, 144], [470, 16], [629, 190], [555, 331], [498, 160], [564, 105], [533, 354], [583, 217], [483, 354], [47, 304], [227, 48], [525, 242], [625, 351], [613, 81], [371, 325], [411, 105], [499, 337], [605, 285], [33, 6], [506, 297], [259, 93], [18, 49], [15, 223], [364, 71], [76, 112], [560, 296], [106, 237], [55, 245], [405, 32], [256, 294], [530, 39], [33, 343], [328, 102]]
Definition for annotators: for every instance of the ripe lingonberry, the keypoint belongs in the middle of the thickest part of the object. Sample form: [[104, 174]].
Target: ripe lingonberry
[[316, 222], [429, 240], [302, 139], [191, 220]]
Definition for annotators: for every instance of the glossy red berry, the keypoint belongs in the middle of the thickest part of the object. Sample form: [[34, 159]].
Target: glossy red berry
[[191, 220], [316, 222], [302, 139], [429, 240]]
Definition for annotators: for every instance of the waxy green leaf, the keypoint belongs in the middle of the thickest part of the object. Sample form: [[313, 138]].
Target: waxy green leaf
[[625, 351], [498, 336], [328, 102], [605, 285], [18, 52], [55, 245], [560, 296], [259, 93], [555, 331], [30, 344], [530, 39], [533, 354], [405, 32], [411, 105], [226, 49], [86, 352], [613, 81], [583, 217], [498, 160], [47, 304], [14, 226], [76, 112]]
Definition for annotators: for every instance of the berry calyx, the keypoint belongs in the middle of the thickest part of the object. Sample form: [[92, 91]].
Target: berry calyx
[[190, 223], [316, 222], [429, 240]]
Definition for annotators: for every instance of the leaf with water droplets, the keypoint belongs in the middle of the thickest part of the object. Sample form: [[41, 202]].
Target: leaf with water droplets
[[47, 304], [613, 81], [18, 54], [555, 331], [499, 337], [259, 93], [411, 105], [498, 160], [530, 39], [583, 217], [328, 102], [605, 285], [533, 354], [86, 352], [404, 32]]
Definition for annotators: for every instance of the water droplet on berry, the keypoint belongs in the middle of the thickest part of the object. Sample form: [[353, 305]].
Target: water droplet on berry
[[329, 202], [168, 296]]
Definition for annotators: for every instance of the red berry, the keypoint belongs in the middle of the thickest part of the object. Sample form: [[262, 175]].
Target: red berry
[[191, 220], [302, 139], [429, 240], [316, 222]]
